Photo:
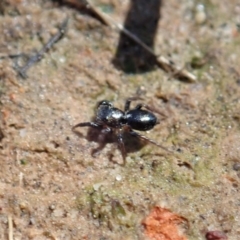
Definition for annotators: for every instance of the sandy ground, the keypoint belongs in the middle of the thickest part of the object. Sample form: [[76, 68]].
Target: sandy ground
[[51, 187]]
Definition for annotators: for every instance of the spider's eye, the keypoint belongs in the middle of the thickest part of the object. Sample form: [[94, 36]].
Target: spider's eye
[[104, 103]]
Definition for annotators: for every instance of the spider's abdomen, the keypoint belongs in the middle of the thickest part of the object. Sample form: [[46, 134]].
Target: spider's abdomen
[[141, 120]]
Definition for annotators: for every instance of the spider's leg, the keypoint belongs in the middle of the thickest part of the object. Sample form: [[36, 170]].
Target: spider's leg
[[139, 106], [121, 145], [86, 124], [127, 105], [135, 134], [101, 140], [128, 102], [102, 135]]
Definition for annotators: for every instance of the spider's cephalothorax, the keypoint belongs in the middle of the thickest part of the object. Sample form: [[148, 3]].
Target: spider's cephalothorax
[[108, 115], [109, 119]]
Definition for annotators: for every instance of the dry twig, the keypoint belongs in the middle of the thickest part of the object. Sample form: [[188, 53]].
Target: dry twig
[[10, 228], [161, 61], [39, 55]]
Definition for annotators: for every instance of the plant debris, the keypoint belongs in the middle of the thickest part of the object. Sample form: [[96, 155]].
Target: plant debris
[[39, 55], [216, 235], [162, 224]]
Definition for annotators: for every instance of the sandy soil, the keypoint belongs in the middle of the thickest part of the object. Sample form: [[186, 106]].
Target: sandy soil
[[51, 187]]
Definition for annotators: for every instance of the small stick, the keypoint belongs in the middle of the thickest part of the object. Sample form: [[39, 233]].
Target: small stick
[[10, 228], [1, 135], [17, 55], [39, 55], [161, 61]]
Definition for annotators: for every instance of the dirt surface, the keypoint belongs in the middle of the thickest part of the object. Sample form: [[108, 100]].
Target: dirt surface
[[51, 187]]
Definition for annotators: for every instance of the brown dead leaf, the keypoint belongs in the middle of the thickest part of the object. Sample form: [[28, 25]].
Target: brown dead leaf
[[162, 224]]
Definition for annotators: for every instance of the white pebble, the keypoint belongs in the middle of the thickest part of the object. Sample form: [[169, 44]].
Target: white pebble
[[96, 186], [118, 177], [22, 132], [200, 16]]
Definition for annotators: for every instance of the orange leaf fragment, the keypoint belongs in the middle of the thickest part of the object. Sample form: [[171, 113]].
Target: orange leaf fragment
[[162, 224]]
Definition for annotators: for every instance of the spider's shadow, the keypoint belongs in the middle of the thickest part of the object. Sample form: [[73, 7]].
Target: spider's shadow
[[131, 143]]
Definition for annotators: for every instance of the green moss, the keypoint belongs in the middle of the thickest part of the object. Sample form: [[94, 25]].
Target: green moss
[[23, 161], [108, 207], [107, 8]]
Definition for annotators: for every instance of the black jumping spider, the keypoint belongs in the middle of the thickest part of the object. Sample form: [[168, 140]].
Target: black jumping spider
[[110, 119]]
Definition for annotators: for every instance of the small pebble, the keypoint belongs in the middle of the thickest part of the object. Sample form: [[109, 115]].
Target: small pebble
[[62, 59], [200, 16], [236, 166], [118, 177], [216, 235], [22, 132], [96, 186], [52, 207]]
